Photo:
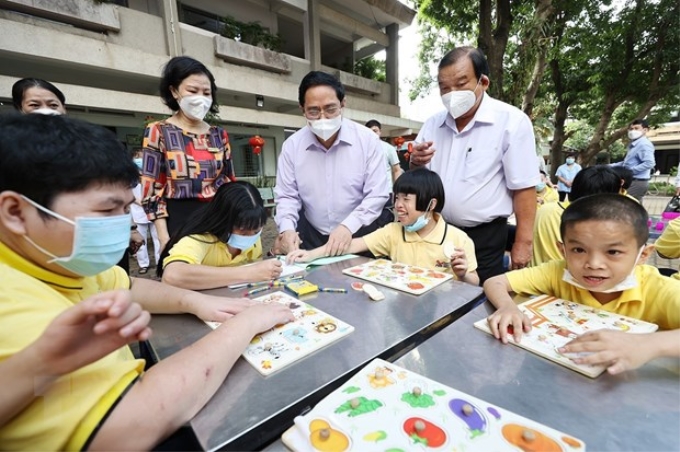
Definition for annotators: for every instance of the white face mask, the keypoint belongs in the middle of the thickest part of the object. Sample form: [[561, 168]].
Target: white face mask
[[629, 282], [46, 111], [460, 102], [195, 107], [634, 134], [325, 128]]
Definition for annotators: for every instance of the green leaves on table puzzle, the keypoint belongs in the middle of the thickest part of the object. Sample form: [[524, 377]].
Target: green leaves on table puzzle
[[439, 392], [359, 405], [351, 389], [417, 401]]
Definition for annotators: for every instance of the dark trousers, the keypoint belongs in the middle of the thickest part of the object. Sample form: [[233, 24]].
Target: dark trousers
[[490, 240], [311, 238], [562, 195]]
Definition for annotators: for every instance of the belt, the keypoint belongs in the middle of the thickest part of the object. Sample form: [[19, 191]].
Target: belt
[[635, 178]]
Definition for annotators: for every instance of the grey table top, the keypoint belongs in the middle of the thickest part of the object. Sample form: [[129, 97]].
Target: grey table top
[[250, 410], [637, 410]]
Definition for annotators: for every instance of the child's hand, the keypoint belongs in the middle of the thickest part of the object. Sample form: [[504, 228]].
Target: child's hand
[[506, 317], [617, 350], [266, 270], [459, 264], [219, 309], [298, 256], [91, 330], [265, 316]]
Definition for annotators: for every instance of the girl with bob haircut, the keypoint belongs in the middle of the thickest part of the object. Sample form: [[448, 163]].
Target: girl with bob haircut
[[421, 237], [210, 249]]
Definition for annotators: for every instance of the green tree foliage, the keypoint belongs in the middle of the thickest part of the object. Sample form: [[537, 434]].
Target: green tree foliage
[[370, 68], [600, 63]]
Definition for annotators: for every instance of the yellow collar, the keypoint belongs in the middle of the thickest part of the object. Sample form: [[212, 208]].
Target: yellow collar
[[14, 260]]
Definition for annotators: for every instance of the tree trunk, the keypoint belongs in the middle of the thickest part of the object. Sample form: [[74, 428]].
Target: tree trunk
[[493, 41]]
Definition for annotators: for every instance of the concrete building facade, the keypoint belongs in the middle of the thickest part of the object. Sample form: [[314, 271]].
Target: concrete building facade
[[107, 58]]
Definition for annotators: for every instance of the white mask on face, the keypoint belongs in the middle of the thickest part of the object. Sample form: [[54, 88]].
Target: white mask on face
[[195, 107], [629, 282], [460, 102], [46, 111], [634, 134], [325, 128]]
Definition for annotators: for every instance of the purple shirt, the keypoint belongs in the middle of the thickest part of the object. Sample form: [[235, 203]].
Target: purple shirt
[[345, 184]]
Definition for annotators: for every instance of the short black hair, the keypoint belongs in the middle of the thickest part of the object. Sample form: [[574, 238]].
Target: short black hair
[[174, 73], [20, 87], [43, 156], [374, 123], [608, 207], [236, 205], [642, 122], [318, 78], [423, 183], [479, 63], [625, 174], [572, 154], [594, 180]]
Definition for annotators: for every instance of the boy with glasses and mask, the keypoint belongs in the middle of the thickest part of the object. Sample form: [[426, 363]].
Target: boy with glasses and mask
[[67, 312], [604, 243], [330, 184]]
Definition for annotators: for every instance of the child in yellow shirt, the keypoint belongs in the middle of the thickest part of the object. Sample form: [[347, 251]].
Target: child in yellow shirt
[[421, 237], [210, 249], [604, 246]]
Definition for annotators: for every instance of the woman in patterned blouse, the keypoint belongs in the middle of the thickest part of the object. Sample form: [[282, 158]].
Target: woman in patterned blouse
[[185, 160]]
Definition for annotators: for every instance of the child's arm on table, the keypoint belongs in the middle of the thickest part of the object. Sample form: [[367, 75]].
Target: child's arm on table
[[200, 277], [175, 389], [497, 290], [621, 351], [357, 245], [77, 337], [159, 298], [459, 266]]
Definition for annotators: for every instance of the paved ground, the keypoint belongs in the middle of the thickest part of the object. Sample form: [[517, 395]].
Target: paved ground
[[654, 205]]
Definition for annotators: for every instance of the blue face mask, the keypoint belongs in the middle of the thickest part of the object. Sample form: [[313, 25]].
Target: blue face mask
[[243, 242], [570, 161], [420, 223], [540, 187], [139, 162], [98, 242]]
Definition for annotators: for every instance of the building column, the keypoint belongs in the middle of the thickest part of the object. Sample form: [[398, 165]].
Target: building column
[[312, 34], [392, 62], [170, 16]]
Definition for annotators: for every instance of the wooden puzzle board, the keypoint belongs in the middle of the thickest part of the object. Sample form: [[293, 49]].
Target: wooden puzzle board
[[312, 329], [407, 278], [387, 408], [555, 322]]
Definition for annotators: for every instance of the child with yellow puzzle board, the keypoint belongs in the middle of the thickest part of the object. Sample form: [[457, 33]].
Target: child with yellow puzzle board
[[421, 237], [604, 246]]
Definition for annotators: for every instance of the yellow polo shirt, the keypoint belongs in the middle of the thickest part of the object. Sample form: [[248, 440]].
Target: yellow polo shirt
[[547, 233], [206, 249], [65, 416], [656, 299], [669, 242], [549, 194], [428, 252]]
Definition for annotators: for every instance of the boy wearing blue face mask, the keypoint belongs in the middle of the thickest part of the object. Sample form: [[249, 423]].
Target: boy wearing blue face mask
[[210, 249], [421, 237], [604, 247], [67, 312]]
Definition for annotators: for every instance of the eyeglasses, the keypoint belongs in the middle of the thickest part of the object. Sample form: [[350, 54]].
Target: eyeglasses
[[329, 112]]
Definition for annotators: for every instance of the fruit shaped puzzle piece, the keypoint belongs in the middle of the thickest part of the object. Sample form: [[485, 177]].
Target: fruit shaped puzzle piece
[[327, 439], [528, 439], [422, 431], [468, 413]]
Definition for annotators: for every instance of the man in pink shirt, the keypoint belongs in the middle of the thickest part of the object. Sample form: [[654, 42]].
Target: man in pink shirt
[[330, 183]]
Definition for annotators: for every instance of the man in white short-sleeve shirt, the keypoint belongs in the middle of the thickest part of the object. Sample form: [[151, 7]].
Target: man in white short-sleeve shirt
[[484, 151]]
